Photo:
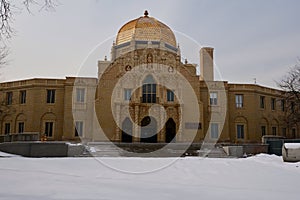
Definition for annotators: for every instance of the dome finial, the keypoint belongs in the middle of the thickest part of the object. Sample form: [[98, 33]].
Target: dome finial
[[146, 13]]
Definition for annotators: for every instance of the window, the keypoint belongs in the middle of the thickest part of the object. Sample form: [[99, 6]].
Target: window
[[7, 128], [282, 105], [78, 128], [9, 97], [262, 102], [23, 97], [263, 130], [274, 130], [170, 95], [293, 133], [49, 129], [149, 90], [239, 98], [284, 132], [50, 96], [292, 107], [240, 131], [21, 127], [127, 94], [213, 99], [214, 130], [80, 95], [273, 103]]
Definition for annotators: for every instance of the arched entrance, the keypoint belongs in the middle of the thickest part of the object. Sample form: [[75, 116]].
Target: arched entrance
[[170, 131], [148, 130], [127, 131]]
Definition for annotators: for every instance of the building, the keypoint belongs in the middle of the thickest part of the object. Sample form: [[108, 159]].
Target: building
[[145, 94]]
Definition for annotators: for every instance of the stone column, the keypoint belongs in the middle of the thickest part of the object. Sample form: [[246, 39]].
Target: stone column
[[136, 122], [117, 135]]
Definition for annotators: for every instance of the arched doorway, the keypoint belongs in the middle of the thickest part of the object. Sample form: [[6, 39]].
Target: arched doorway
[[148, 130], [126, 131], [170, 131]]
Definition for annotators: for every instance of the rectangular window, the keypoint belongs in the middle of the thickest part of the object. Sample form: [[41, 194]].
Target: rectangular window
[[49, 129], [282, 105], [50, 96], [80, 95], [284, 132], [273, 103], [213, 98], [149, 93], [78, 128], [274, 130], [292, 107], [23, 97], [170, 95], [262, 102], [240, 131], [9, 98], [239, 100], [7, 128], [214, 130], [263, 130], [21, 126], [127, 94], [293, 133]]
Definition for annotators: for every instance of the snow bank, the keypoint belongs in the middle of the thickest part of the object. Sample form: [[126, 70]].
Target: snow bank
[[259, 177], [292, 145]]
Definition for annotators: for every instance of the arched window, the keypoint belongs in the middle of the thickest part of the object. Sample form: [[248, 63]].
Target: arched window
[[149, 90]]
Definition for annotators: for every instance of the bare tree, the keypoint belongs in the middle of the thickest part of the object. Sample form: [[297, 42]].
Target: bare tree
[[7, 11], [290, 84]]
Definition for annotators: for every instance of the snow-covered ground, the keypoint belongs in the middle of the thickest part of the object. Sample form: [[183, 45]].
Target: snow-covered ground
[[258, 177]]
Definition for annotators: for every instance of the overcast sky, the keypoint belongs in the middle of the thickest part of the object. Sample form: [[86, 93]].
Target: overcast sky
[[252, 39]]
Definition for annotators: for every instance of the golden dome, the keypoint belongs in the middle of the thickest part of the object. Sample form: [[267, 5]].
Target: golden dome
[[145, 28]]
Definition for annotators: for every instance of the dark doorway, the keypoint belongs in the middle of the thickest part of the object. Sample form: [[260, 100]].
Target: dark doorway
[[170, 131], [148, 130], [127, 131]]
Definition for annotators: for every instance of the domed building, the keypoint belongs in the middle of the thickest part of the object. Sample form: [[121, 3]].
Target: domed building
[[144, 93]]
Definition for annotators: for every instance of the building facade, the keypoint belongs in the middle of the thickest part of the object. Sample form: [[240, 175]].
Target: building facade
[[145, 94]]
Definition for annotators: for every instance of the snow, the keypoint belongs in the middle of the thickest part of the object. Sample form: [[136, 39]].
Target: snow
[[292, 145], [258, 177]]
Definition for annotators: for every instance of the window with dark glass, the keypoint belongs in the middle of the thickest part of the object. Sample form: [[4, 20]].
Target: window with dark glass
[[50, 96], [263, 130], [170, 95], [23, 97], [127, 94], [21, 127], [213, 98], [7, 128], [274, 130], [240, 131], [273, 103], [49, 129], [9, 98], [80, 95], [78, 128], [149, 90], [293, 133], [284, 132], [262, 102], [239, 100], [214, 130], [282, 105]]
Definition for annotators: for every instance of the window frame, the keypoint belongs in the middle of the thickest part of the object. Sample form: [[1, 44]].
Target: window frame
[[50, 98], [214, 131], [49, 128], [262, 102], [170, 95], [7, 128], [79, 129], [240, 135], [21, 127], [239, 102], [127, 94], [22, 96], [9, 98], [273, 104], [213, 98], [80, 95]]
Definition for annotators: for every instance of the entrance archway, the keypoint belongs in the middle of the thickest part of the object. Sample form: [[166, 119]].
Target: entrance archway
[[170, 131], [148, 130], [126, 131]]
